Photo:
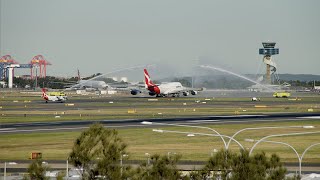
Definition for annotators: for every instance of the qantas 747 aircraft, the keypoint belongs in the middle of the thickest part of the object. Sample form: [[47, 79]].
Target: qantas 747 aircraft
[[173, 89]]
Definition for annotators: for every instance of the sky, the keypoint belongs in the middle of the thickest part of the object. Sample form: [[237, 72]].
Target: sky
[[105, 36]]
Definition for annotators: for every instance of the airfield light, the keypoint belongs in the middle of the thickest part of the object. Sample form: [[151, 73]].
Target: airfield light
[[308, 127], [158, 130], [125, 155], [249, 140], [146, 122]]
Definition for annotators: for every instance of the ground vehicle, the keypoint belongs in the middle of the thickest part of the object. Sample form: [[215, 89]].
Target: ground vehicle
[[54, 96], [255, 99], [281, 94]]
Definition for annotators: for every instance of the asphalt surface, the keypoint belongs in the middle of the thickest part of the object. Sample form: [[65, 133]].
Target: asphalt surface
[[127, 102], [136, 123]]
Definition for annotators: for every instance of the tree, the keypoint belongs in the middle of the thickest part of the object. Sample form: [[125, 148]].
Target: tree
[[220, 165], [228, 165], [161, 167], [37, 170], [97, 151]]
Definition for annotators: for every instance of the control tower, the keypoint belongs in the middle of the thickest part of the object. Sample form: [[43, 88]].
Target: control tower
[[268, 51]]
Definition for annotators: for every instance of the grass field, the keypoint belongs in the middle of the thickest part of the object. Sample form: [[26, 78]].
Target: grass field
[[144, 140], [57, 145], [16, 108]]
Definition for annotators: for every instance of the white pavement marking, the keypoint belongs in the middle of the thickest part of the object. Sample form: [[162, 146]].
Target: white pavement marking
[[310, 117], [6, 129], [243, 115], [242, 121], [12, 130]]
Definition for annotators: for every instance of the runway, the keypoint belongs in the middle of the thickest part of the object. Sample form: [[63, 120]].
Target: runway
[[78, 125], [209, 100]]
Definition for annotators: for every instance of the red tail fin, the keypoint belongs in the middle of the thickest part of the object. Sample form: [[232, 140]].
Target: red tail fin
[[44, 95], [147, 79], [154, 89]]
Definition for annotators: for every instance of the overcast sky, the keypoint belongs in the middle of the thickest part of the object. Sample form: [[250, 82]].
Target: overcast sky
[[102, 36]]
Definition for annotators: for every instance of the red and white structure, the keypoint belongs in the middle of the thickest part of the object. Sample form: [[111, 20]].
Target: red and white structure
[[39, 62]]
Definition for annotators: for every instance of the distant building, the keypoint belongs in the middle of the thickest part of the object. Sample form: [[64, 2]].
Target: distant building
[[25, 76], [3, 84], [123, 79], [317, 88]]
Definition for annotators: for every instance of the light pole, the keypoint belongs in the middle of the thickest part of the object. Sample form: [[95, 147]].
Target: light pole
[[121, 157], [36, 82], [169, 153], [181, 125], [213, 151], [258, 128], [67, 170], [148, 158], [5, 169], [191, 134], [283, 143]]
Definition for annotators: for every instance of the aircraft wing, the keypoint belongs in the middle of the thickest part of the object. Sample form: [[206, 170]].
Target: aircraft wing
[[185, 90], [61, 98]]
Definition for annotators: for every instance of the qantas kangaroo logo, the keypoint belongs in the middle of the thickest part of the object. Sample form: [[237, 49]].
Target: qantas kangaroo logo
[[149, 85]]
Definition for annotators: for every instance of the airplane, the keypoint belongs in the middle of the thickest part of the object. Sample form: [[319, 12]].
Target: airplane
[[173, 89], [88, 84], [53, 96]]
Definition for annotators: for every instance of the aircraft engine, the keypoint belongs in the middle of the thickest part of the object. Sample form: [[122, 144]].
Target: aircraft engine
[[194, 92], [185, 93], [152, 93], [83, 87], [135, 91]]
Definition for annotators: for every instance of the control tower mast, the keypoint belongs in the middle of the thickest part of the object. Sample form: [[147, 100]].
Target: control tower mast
[[268, 51]]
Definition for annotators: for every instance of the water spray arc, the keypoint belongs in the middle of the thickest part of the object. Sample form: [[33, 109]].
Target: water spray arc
[[235, 74], [115, 71]]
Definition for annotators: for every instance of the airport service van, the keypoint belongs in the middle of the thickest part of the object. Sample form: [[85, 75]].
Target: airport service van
[[281, 94]]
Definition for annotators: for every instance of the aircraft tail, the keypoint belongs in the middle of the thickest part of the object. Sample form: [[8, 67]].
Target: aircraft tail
[[79, 76], [147, 80], [44, 94]]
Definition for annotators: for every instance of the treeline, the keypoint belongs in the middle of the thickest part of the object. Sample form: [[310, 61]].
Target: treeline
[[297, 83], [98, 153], [219, 82], [47, 82], [52, 82]]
